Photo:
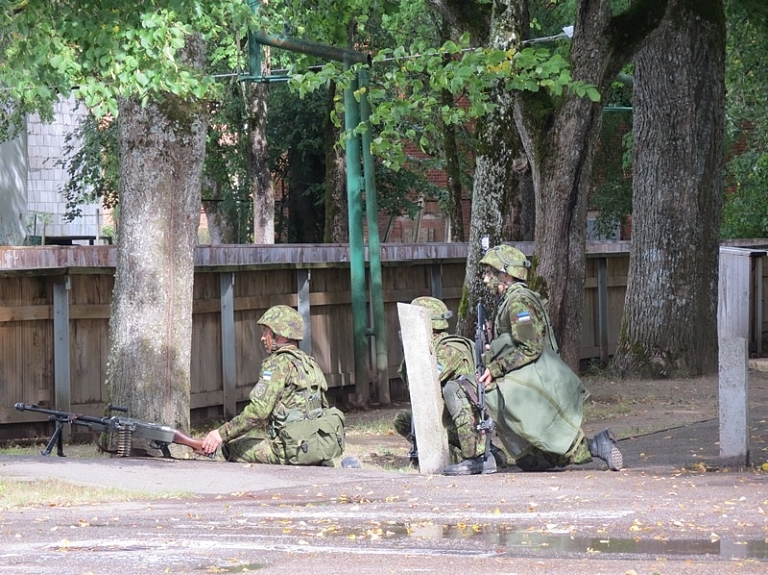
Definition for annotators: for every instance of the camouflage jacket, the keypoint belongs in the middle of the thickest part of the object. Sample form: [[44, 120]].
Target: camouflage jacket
[[455, 357], [519, 331], [290, 384]]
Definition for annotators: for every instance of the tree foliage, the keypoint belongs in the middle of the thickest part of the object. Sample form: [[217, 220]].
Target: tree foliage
[[104, 50], [745, 213]]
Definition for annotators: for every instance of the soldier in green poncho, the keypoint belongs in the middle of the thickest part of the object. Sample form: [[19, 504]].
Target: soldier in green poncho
[[535, 399], [288, 420]]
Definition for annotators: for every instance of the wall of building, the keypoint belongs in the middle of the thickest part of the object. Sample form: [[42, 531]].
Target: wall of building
[[46, 177], [13, 191]]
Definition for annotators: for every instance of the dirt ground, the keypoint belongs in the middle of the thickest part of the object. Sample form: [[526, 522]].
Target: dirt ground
[[630, 408]]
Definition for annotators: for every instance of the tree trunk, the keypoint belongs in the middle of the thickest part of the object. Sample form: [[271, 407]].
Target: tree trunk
[[262, 186], [13, 197], [669, 326], [336, 203], [520, 219], [497, 147], [306, 220], [222, 223], [453, 173], [560, 141], [162, 149]]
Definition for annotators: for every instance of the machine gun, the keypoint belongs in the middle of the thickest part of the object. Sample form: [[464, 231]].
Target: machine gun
[[486, 425], [126, 428]]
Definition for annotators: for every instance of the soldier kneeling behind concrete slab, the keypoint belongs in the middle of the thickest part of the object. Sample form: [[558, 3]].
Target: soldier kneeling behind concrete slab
[[536, 400], [456, 370]]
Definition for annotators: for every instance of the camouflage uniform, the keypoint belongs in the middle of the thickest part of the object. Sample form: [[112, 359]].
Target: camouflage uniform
[[521, 333], [290, 382], [455, 358]]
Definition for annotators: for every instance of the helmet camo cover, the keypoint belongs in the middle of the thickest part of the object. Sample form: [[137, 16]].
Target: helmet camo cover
[[285, 321], [438, 312], [507, 259]]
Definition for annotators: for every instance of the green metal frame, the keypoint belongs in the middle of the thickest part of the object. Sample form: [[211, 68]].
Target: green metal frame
[[360, 177]]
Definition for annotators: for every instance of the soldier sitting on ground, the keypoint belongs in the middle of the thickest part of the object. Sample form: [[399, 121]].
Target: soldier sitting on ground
[[288, 420]]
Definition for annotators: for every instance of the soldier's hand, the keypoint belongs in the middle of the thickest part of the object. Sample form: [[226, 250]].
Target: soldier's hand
[[486, 378], [212, 441]]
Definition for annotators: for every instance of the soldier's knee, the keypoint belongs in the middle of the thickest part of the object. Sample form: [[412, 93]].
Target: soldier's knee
[[402, 423], [455, 398]]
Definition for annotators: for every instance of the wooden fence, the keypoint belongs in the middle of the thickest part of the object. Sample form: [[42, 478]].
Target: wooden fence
[[55, 309]]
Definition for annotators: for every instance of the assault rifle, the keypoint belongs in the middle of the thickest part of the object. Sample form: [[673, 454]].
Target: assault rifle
[[126, 428], [486, 425]]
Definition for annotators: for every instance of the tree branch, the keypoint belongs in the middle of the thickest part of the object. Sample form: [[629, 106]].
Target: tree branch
[[628, 30]]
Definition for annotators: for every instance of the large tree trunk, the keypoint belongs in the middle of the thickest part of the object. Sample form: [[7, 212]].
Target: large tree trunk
[[560, 141], [13, 197], [669, 326], [497, 147], [450, 146], [453, 173], [162, 148], [262, 186], [520, 219]]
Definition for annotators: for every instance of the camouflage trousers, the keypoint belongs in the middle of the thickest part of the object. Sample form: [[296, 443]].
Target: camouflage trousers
[[460, 418], [253, 447], [535, 459]]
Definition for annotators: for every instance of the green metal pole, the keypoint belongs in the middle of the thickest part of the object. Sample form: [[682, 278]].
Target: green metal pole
[[374, 248], [257, 38], [346, 55], [356, 248], [254, 48]]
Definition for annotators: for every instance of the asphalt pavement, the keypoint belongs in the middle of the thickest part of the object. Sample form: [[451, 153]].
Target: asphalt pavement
[[675, 508]]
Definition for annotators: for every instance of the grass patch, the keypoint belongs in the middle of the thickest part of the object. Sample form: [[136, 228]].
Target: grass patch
[[371, 425], [57, 493], [72, 450], [19, 450], [596, 410]]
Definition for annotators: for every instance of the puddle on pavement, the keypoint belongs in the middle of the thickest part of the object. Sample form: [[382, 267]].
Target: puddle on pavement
[[237, 568], [506, 537]]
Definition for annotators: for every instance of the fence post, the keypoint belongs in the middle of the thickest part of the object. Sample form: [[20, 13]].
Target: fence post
[[602, 308], [228, 358], [733, 331], [61, 379], [302, 280], [758, 299], [436, 272]]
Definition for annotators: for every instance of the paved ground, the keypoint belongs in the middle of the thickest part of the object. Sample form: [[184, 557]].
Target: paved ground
[[674, 509]]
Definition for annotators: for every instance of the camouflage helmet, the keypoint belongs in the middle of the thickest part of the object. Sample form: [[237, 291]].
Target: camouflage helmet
[[438, 312], [285, 321], [508, 260]]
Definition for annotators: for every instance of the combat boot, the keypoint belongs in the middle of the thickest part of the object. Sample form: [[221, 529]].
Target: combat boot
[[499, 456], [603, 446], [474, 466], [471, 466]]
